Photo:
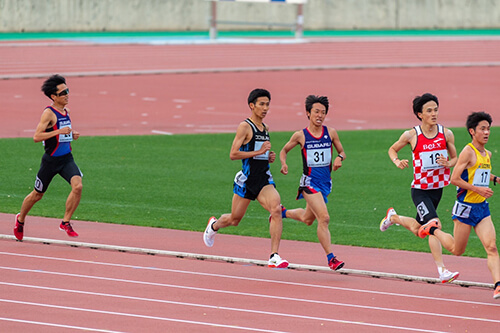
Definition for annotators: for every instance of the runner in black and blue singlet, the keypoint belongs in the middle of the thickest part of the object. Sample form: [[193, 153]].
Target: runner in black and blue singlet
[[255, 173]]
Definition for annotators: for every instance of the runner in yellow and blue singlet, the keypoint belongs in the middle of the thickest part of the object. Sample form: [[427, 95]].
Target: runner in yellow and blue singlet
[[470, 207]]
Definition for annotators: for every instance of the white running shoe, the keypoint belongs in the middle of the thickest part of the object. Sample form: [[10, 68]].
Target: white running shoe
[[209, 234], [386, 221], [448, 276], [276, 262]]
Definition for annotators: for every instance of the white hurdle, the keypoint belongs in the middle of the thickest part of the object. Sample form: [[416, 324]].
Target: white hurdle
[[298, 25]]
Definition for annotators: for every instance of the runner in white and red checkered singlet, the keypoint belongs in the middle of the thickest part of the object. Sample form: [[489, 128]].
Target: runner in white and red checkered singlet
[[434, 153], [427, 173]]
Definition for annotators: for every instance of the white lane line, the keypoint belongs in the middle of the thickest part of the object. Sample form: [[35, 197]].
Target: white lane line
[[245, 294], [161, 132], [465, 64], [246, 278], [345, 271], [57, 325], [217, 307], [137, 316]]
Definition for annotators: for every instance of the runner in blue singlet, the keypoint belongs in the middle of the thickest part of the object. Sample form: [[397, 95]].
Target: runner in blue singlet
[[317, 143]]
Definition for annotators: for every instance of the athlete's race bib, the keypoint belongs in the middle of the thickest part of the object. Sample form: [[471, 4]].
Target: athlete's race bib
[[481, 178], [66, 137], [461, 210], [240, 179], [265, 156], [319, 157], [429, 159]]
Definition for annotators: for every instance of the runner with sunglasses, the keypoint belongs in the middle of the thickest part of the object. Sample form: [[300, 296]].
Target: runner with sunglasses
[[56, 132]]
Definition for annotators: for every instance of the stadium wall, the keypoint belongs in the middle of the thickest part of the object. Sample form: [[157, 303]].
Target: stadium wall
[[193, 15]]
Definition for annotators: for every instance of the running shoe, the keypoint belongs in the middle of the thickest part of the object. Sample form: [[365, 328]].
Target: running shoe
[[496, 293], [386, 221], [335, 264], [209, 234], [68, 228], [276, 262], [446, 276], [423, 231], [19, 229]]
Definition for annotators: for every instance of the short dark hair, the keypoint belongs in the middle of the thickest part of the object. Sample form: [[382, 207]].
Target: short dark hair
[[475, 118], [256, 93], [419, 101], [49, 86], [312, 99]]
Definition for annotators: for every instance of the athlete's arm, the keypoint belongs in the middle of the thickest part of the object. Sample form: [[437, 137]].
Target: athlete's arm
[[76, 134], [492, 176], [244, 135], [47, 120], [404, 140], [452, 151], [466, 159], [295, 140], [337, 162]]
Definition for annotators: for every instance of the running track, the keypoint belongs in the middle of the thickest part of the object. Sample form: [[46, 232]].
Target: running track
[[43, 286], [137, 89]]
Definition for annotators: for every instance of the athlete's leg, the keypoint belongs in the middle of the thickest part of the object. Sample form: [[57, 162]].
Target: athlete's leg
[[317, 206], [485, 230], [42, 182], [436, 251], [457, 243], [302, 215], [269, 198], [29, 201], [73, 198], [408, 222], [238, 209]]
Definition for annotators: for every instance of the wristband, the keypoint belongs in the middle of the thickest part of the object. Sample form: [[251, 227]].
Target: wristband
[[495, 181], [394, 159], [341, 157]]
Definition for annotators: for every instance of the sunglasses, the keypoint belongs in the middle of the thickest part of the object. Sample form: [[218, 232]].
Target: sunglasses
[[62, 93]]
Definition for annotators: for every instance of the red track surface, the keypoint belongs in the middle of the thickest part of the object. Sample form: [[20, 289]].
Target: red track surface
[[215, 102], [136, 293], [128, 292]]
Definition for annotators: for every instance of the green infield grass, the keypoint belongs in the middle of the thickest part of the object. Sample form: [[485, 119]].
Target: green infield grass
[[180, 181]]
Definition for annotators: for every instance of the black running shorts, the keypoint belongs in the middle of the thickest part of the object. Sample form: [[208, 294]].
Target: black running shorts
[[426, 202], [53, 165]]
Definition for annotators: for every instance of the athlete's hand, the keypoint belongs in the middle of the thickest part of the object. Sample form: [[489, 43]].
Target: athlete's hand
[[337, 163], [284, 169], [272, 156], [76, 135], [442, 160], [65, 130], [484, 191], [265, 147], [402, 164]]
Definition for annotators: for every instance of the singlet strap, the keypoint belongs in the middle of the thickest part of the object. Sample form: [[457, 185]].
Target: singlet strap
[[440, 128], [418, 130], [254, 127], [249, 122]]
